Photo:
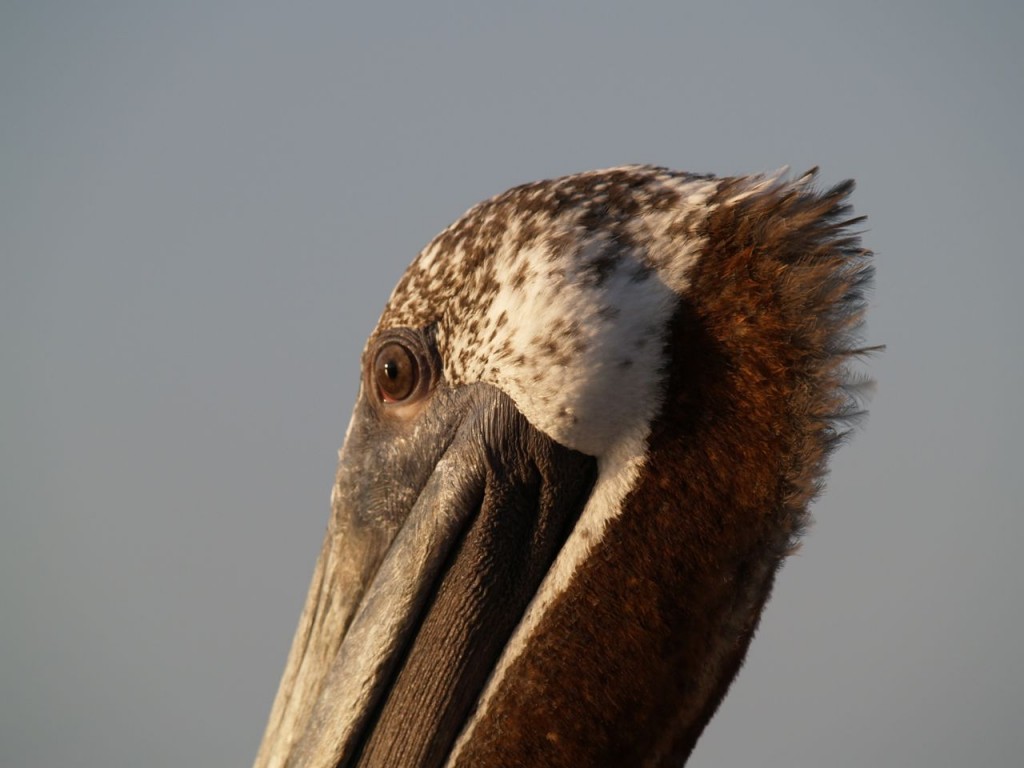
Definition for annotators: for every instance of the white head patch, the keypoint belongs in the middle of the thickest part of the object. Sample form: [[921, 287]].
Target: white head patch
[[559, 294]]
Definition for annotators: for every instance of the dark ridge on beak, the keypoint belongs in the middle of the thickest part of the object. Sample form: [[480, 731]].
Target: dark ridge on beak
[[533, 492], [444, 526]]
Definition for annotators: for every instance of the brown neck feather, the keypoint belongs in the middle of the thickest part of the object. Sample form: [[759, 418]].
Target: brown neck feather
[[631, 661]]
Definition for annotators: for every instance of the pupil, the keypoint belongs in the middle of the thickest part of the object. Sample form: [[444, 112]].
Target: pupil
[[391, 369]]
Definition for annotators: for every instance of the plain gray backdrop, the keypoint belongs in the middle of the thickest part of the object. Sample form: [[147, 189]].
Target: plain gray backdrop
[[204, 206]]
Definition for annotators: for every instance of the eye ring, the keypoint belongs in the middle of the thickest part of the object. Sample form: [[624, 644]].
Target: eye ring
[[403, 367], [396, 372]]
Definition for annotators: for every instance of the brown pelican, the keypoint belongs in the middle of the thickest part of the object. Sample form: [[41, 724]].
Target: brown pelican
[[591, 420]]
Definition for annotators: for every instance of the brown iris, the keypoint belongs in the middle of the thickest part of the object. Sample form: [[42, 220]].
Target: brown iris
[[396, 372]]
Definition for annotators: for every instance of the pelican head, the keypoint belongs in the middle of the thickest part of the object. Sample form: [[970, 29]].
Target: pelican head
[[592, 417]]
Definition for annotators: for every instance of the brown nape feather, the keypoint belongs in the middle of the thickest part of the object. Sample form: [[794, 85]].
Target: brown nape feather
[[629, 664]]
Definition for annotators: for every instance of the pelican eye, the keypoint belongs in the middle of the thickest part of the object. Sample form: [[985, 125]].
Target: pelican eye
[[395, 372]]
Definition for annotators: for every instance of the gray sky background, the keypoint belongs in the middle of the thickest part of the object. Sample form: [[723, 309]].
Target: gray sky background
[[204, 206]]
